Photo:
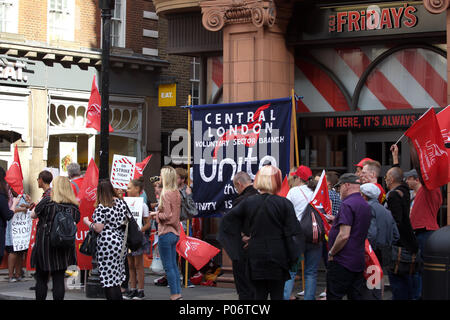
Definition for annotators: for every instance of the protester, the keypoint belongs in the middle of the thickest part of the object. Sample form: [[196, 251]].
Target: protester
[[398, 202], [359, 166], [272, 248], [234, 243], [15, 258], [370, 173], [346, 259], [423, 217], [187, 193], [6, 211], [332, 180], [412, 180], [136, 258], [44, 179], [383, 229], [74, 174], [300, 196], [168, 219], [47, 259], [108, 219]]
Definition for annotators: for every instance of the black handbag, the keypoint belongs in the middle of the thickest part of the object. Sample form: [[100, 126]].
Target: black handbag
[[89, 244], [312, 225], [403, 262]]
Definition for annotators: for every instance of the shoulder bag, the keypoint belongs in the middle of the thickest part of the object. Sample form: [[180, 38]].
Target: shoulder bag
[[311, 223], [89, 244]]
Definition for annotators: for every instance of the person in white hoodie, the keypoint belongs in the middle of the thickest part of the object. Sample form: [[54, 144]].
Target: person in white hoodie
[[300, 196]]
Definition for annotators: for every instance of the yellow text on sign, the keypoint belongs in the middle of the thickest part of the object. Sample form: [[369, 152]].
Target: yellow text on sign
[[167, 95]]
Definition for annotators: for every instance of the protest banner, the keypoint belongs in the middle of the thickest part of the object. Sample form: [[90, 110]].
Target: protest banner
[[122, 171], [135, 204], [229, 138]]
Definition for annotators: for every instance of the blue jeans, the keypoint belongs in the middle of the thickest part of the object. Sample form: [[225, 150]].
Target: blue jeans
[[167, 251], [289, 285], [313, 254], [402, 286], [422, 238]]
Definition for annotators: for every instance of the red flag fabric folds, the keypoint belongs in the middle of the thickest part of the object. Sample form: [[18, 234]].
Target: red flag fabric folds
[[87, 197], [284, 188], [93, 116], [443, 119], [426, 137], [195, 251], [321, 199], [373, 272], [140, 166], [14, 175]]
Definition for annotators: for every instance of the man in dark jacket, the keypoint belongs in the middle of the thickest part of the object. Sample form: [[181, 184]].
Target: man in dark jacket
[[244, 186], [398, 202]]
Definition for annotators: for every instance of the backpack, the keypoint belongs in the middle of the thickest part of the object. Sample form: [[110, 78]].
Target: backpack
[[188, 208], [64, 228], [312, 225]]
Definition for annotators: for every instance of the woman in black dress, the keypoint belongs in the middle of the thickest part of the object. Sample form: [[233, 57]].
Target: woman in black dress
[[276, 240]]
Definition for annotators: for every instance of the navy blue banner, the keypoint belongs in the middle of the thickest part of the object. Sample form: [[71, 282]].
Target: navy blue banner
[[229, 138]]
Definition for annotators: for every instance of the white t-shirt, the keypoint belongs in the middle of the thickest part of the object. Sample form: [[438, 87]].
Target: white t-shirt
[[300, 196]]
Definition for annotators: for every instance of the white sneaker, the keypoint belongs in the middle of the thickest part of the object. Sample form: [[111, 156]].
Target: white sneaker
[[323, 294], [302, 293]]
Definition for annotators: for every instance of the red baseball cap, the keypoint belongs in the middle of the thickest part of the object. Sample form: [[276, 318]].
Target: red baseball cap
[[303, 172], [361, 163]]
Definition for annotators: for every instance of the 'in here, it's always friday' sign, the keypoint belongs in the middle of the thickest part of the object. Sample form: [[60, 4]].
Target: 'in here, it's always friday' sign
[[122, 171]]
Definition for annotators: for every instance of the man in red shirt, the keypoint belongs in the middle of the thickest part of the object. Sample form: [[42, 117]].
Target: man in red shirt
[[74, 173], [369, 174], [423, 215]]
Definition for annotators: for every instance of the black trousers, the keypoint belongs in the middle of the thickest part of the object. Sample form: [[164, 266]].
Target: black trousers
[[113, 293], [42, 278], [264, 288], [341, 282], [244, 285]]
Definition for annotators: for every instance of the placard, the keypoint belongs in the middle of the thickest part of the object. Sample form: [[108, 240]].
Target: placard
[[122, 171], [21, 230], [135, 204]]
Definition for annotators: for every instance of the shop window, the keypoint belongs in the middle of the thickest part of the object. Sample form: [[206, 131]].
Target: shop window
[[61, 20], [9, 16], [324, 152], [118, 24]]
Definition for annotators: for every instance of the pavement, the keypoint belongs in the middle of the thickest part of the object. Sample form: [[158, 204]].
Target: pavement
[[21, 290]]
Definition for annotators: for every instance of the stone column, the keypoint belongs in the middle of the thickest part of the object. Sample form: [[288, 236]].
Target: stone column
[[436, 7]]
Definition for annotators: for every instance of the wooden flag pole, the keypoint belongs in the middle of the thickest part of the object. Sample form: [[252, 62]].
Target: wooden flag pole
[[188, 183], [297, 162]]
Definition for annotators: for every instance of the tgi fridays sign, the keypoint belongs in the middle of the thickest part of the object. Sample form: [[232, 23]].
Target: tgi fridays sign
[[122, 171], [372, 18]]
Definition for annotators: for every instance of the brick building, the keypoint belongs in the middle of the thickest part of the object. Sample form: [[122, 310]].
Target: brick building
[[50, 51]]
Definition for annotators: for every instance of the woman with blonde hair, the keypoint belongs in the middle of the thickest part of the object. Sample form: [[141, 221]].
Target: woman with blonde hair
[[46, 258], [276, 240], [168, 219]]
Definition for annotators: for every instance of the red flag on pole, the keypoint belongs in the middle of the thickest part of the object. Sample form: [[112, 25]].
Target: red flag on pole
[[321, 199], [93, 116], [14, 175], [140, 166], [373, 272], [194, 250], [284, 188], [426, 137], [87, 197], [443, 119]]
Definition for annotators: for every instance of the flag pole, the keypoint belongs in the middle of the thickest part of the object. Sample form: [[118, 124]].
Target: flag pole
[[297, 160], [188, 181]]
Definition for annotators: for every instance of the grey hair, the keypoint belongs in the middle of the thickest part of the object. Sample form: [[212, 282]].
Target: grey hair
[[73, 170], [242, 177]]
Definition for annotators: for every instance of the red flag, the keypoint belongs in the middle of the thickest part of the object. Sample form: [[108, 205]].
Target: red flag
[[93, 116], [373, 272], [14, 175], [443, 119], [140, 166], [87, 197], [426, 137], [284, 188], [194, 250], [31, 245], [321, 199]]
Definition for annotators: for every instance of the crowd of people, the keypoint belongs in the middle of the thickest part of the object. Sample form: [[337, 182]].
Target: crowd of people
[[262, 233], [258, 232]]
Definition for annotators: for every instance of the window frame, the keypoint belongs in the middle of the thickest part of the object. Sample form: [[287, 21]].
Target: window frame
[[68, 19], [11, 26]]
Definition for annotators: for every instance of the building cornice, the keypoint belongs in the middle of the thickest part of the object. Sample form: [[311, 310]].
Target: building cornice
[[171, 6], [436, 6]]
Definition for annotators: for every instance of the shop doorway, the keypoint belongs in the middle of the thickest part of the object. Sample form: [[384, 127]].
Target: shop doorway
[[376, 145]]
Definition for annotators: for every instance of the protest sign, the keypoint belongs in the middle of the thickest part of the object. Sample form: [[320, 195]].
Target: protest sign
[[122, 171], [135, 204], [21, 230]]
